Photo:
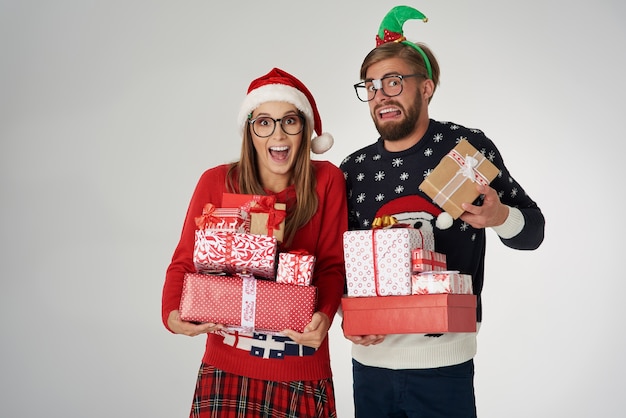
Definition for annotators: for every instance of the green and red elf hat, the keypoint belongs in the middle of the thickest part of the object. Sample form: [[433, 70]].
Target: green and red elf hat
[[391, 30]]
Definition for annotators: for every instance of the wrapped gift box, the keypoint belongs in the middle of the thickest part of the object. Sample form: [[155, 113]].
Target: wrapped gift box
[[225, 219], [218, 251], [454, 179], [427, 260], [295, 268], [433, 282], [378, 261], [246, 304], [413, 314], [267, 217]]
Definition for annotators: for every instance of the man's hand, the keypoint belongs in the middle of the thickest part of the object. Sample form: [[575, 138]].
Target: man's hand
[[491, 213]]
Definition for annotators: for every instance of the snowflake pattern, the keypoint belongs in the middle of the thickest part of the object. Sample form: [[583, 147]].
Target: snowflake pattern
[[380, 197], [396, 162], [399, 189], [360, 158], [404, 176], [428, 152], [438, 137], [360, 177], [380, 176], [514, 192], [360, 198], [376, 157]]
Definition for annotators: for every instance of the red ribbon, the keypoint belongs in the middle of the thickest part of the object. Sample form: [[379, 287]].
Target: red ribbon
[[207, 218], [265, 204]]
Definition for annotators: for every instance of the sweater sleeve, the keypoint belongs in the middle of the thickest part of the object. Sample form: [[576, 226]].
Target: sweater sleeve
[[329, 271], [209, 189]]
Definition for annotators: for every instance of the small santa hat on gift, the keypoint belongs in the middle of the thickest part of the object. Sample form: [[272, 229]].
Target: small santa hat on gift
[[280, 86], [413, 204]]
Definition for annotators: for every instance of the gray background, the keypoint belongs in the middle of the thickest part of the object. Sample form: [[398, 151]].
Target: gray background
[[111, 110]]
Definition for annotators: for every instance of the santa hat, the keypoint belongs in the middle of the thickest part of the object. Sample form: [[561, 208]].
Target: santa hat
[[280, 86], [415, 203], [391, 30]]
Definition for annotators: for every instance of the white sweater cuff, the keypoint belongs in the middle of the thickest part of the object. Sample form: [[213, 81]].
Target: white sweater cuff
[[512, 226]]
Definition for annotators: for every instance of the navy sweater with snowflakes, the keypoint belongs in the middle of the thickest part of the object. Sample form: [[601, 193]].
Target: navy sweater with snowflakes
[[380, 183]]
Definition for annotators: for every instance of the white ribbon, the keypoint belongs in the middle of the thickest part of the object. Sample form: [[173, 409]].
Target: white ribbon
[[467, 169]]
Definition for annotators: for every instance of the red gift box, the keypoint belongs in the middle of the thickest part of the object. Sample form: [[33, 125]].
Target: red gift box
[[267, 217], [413, 314], [218, 251], [295, 267], [245, 303], [225, 219], [427, 260]]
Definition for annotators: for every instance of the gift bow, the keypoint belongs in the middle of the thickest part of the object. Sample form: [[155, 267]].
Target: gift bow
[[468, 167], [385, 221], [207, 217], [265, 204]]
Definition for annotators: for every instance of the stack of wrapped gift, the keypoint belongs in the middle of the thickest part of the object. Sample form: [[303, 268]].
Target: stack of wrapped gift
[[241, 280], [381, 295]]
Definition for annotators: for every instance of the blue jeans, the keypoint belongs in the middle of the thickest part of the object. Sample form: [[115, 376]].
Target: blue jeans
[[444, 392]]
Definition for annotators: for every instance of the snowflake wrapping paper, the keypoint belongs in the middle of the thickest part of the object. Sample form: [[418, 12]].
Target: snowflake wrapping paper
[[295, 268], [453, 181], [426, 260], [246, 304], [420, 314], [231, 252], [436, 282], [378, 261], [267, 217]]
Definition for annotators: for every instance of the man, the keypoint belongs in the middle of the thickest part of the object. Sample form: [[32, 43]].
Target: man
[[423, 375]]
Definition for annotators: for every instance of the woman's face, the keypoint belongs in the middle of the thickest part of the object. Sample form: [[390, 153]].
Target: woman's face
[[276, 150]]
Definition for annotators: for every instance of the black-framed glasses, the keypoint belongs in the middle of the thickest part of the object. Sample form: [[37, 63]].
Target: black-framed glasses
[[264, 126], [390, 85]]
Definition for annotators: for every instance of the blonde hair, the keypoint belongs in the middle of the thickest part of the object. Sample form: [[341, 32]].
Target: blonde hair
[[243, 177]]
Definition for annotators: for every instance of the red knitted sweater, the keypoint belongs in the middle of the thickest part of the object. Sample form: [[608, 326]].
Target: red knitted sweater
[[322, 237]]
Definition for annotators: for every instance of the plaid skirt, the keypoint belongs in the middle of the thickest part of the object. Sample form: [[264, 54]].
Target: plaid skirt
[[221, 394]]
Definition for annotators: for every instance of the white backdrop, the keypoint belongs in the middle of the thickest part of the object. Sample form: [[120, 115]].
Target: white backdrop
[[110, 111]]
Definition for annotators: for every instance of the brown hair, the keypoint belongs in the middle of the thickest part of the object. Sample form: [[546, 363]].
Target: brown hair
[[406, 53], [243, 177]]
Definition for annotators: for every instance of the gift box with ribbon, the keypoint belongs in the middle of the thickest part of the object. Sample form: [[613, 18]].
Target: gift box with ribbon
[[217, 251], [378, 261], [246, 304], [224, 219], [435, 282], [427, 260], [267, 217], [295, 267], [453, 181]]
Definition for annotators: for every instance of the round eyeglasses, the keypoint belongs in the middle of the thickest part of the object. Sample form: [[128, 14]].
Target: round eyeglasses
[[390, 85], [264, 126]]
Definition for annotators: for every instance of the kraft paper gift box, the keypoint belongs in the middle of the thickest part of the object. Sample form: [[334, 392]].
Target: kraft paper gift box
[[378, 261], [412, 314], [267, 217], [225, 219], [218, 251], [243, 303], [427, 260], [295, 267], [454, 179], [433, 282]]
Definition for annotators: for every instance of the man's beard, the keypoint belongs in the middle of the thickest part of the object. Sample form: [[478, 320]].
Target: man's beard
[[396, 131]]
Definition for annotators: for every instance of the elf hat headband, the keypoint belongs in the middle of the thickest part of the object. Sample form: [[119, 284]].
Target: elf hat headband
[[391, 30], [280, 86]]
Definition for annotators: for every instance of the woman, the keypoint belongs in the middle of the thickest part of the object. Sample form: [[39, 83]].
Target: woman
[[277, 120]]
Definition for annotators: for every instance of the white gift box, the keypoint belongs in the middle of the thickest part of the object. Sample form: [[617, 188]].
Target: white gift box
[[433, 282], [378, 261]]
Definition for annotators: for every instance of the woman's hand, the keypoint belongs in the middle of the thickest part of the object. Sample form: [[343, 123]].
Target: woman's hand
[[178, 326], [314, 333]]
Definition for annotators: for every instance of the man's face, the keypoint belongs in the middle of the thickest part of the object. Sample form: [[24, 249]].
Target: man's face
[[395, 117]]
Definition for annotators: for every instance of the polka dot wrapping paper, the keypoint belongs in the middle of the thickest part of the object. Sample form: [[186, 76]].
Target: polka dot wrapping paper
[[378, 262], [230, 300]]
